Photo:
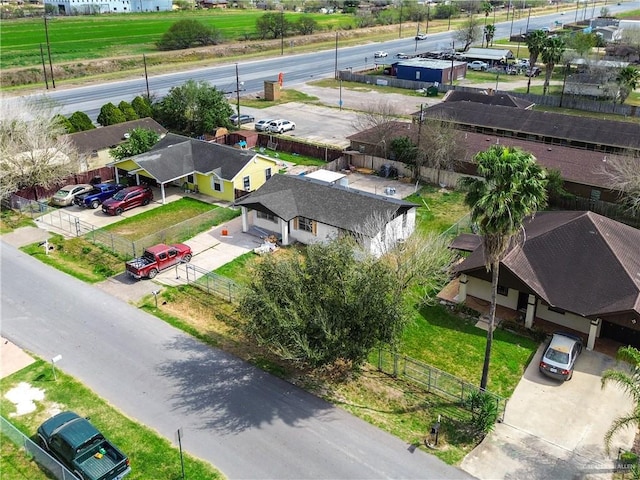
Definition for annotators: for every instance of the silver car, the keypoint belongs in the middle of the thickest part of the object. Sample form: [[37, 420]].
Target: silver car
[[560, 356], [263, 125], [64, 196]]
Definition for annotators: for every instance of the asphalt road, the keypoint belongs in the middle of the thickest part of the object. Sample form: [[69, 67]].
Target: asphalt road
[[247, 423], [296, 68]]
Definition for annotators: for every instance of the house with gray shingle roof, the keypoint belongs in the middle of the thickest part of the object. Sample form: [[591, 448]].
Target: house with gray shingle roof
[[220, 171], [308, 210], [579, 270]]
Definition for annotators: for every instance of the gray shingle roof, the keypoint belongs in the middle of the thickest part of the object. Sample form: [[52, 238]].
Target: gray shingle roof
[[176, 156], [581, 262], [503, 99], [288, 197], [112, 135], [555, 125]]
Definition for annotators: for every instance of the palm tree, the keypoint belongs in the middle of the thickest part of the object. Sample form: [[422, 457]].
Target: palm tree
[[535, 43], [514, 186], [552, 53], [489, 33], [629, 381], [628, 78]]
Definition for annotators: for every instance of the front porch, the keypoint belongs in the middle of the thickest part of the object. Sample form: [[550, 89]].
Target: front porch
[[449, 294]]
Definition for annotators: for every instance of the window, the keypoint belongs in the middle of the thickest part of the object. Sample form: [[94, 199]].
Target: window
[[216, 184], [246, 183], [190, 178], [556, 309], [502, 290], [305, 224], [267, 173], [266, 216]]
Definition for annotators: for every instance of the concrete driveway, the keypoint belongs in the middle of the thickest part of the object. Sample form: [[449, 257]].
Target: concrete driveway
[[555, 430]]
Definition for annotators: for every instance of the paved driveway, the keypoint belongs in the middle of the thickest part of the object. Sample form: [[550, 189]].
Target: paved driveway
[[555, 430]]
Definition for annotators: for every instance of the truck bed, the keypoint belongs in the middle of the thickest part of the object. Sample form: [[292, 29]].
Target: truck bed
[[98, 467]]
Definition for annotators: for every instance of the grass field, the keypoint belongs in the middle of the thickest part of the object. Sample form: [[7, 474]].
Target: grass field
[[90, 37]]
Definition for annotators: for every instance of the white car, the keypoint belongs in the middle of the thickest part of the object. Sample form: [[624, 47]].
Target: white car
[[263, 125], [380, 54], [402, 55], [421, 36], [477, 65], [281, 126]]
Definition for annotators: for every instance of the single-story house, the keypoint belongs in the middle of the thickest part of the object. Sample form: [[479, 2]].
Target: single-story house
[[579, 270], [609, 34], [488, 98], [220, 171], [308, 210], [94, 145], [592, 86], [429, 70]]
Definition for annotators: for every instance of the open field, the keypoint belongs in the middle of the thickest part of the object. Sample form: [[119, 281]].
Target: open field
[[89, 37]]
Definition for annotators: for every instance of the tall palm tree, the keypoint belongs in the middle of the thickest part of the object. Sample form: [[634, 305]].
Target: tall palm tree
[[629, 381], [535, 43], [489, 33], [514, 186], [629, 79], [551, 54]]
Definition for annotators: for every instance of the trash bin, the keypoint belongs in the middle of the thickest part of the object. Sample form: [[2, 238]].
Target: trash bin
[[432, 91]]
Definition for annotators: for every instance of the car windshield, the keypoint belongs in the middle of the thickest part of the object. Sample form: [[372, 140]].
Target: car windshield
[[119, 196], [557, 356], [62, 193]]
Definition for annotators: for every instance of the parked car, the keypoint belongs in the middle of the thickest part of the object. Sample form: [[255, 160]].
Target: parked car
[[560, 356], [402, 55], [533, 72], [478, 66], [380, 54], [98, 194], [127, 198], [64, 197], [281, 126], [244, 118], [263, 125], [75, 442], [421, 36], [158, 258]]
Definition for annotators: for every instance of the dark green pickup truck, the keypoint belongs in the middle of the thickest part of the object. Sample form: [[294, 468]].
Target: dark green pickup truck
[[76, 443]]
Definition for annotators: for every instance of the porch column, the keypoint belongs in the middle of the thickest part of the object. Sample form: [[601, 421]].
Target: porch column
[[117, 175], [284, 231], [162, 193], [531, 311], [245, 220], [462, 289], [593, 333]]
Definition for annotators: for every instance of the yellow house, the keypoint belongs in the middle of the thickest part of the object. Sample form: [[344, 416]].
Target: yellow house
[[220, 171]]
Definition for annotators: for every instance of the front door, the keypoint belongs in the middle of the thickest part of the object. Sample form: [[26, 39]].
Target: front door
[[523, 298]]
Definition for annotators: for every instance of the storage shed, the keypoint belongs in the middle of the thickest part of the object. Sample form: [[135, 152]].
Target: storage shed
[[430, 70]]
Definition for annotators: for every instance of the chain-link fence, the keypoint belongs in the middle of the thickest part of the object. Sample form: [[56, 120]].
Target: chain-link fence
[[211, 282], [435, 380], [33, 450]]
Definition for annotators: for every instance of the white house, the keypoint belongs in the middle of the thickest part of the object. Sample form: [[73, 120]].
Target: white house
[[87, 7], [307, 210]]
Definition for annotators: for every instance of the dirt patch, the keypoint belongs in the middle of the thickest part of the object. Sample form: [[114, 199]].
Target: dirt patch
[[24, 396]]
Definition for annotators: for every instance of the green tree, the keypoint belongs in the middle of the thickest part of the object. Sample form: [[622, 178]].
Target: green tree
[[444, 11], [513, 187], [110, 115], [552, 53], [193, 109], [629, 381], [468, 33], [404, 150], [306, 25], [535, 43], [582, 42], [489, 33], [272, 25], [128, 111], [65, 123], [326, 306], [81, 121], [140, 141], [142, 107], [187, 34], [628, 79]]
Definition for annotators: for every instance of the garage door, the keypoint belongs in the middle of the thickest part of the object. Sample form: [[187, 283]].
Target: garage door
[[620, 334]]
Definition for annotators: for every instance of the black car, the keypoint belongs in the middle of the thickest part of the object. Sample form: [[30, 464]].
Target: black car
[[244, 118]]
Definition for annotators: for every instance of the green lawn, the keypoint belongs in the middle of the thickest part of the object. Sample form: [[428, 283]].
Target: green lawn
[[97, 36], [151, 456]]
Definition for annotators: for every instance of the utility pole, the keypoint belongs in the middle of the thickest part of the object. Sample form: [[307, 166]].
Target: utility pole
[[335, 69], [453, 48], [282, 31], [44, 67], [400, 31], [46, 32], [146, 77], [238, 93]]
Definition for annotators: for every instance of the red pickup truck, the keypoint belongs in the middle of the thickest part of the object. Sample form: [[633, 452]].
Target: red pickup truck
[[157, 258]]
